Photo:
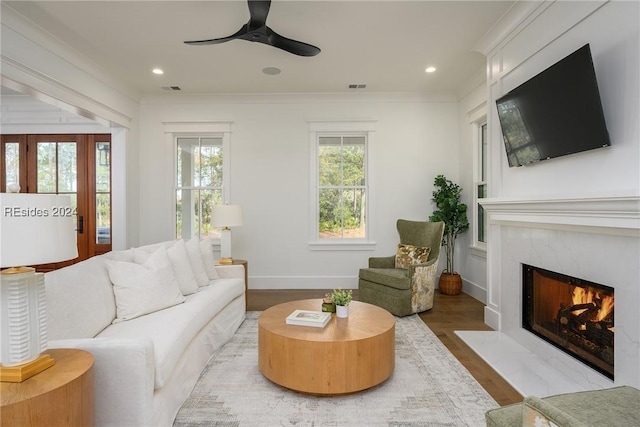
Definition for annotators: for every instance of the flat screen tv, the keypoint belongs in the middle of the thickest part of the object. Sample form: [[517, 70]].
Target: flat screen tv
[[555, 113]]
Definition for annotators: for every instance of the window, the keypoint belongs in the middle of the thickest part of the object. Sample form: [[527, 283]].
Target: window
[[199, 173], [480, 185], [341, 184], [342, 190]]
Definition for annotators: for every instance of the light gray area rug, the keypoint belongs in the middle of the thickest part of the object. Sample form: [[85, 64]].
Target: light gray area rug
[[429, 387]]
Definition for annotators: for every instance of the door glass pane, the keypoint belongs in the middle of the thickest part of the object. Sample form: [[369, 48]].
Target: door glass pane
[[12, 162], [103, 169], [103, 218], [46, 154], [103, 195], [67, 167]]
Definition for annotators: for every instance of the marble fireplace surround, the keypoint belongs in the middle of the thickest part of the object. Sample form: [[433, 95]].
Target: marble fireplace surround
[[595, 238]]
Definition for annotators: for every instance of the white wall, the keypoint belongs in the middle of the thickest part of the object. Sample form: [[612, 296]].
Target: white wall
[[551, 32], [416, 139]]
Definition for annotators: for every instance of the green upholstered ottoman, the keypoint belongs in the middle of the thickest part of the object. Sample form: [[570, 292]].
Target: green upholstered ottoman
[[612, 407]]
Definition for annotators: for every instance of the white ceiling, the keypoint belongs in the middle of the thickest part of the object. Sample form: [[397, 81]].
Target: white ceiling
[[384, 44]]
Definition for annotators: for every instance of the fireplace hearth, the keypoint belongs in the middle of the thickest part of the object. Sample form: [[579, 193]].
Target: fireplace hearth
[[574, 315]]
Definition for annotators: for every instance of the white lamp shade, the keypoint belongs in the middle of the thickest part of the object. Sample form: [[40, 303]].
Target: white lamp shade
[[226, 215], [36, 229]]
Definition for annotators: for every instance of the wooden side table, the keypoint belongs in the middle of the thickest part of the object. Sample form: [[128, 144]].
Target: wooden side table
[[62, 395], [245, 264]]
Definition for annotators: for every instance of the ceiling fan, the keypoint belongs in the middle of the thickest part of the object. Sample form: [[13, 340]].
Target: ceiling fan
[[256, 30]]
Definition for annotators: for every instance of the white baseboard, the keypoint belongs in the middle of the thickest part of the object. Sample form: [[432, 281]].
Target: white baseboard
[[303, 282], [492, 318], [474, 290]]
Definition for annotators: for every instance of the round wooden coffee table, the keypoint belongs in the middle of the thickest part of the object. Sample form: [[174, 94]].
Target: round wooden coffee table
[[345, 356]]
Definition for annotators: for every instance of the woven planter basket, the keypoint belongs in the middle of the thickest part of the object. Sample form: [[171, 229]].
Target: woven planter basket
[[450, 284]]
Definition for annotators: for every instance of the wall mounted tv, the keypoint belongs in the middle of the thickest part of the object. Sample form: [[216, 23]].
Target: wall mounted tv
[[555, 113]]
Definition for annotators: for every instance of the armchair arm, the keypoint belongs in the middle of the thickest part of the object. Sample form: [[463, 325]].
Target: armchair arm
[[382, 262], [423, 284], [123, 378], [412, 268]]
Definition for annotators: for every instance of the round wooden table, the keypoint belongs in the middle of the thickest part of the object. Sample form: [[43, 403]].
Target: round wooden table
[[61, 395], [345, 356]]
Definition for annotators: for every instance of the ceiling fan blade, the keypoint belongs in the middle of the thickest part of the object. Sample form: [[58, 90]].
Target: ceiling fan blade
[[256, 30], [258, 11], [291, 46], [238, 34]]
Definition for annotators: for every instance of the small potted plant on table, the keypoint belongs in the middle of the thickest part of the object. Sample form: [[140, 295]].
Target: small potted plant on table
[[342, 298]]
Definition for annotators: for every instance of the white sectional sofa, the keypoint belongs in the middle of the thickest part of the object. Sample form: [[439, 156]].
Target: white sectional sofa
[[151, 317]]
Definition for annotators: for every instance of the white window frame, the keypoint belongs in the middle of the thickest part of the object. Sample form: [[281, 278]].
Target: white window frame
[[478, 121], [319, 129], [175, 130]]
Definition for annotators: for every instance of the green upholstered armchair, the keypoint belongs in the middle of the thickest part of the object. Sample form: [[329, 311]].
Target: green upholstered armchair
[[404, 291]]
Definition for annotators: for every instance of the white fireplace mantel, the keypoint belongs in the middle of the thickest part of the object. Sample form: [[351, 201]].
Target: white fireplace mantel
[[596, 238], [607, 215]]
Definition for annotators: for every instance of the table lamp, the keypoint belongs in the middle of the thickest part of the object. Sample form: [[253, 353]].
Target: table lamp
[[34, 229], [226, 216]]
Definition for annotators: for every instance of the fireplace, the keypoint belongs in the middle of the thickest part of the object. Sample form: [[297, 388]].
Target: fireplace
[[575, 315]]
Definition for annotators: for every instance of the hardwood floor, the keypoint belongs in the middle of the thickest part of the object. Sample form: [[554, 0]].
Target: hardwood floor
[[449, 314]]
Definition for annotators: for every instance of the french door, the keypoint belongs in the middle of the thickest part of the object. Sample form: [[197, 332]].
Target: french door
[[77, 165]]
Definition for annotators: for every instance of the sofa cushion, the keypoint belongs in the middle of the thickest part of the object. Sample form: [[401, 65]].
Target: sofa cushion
[[179, 258], [80, 301], [207, 258], [144, 288], [408, 255], [195, 256], [186, 321], [392, 277]]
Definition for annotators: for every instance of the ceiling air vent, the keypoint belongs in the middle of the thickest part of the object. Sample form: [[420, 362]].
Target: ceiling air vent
[[171, 87], [357, 86]]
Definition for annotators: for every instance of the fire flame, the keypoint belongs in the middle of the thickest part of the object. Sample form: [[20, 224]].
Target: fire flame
[[589, 295]]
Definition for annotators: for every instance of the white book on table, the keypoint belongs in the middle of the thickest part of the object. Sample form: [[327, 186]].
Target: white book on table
[[318, 319]]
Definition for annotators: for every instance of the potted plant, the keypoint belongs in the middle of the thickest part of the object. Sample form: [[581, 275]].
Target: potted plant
[[342, 298], [453, 213]]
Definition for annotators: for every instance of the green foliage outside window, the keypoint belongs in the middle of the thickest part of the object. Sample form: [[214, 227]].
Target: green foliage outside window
[[342, 191], [199, 185]]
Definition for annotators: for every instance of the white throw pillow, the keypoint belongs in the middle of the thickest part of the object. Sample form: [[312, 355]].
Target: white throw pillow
[[143, 289], [179, 258], [207, 259], [195, 256]]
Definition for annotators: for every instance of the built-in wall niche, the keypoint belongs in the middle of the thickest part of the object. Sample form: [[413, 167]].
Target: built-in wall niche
[[573, 314]]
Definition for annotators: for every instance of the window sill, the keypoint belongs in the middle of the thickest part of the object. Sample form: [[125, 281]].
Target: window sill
[[479, 251], [342, 246]]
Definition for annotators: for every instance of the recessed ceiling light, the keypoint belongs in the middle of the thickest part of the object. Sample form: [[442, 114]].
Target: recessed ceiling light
[[430, 69], [157, 71], [271, 71]]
